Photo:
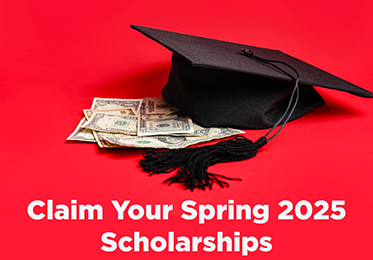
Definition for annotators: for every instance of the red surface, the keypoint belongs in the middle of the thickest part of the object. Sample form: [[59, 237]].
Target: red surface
[[57, 56]]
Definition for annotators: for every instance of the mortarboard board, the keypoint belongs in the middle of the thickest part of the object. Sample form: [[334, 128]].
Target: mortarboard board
[[219, 83]]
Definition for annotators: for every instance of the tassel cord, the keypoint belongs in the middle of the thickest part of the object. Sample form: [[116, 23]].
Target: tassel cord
[[295, 90], [250, 54]]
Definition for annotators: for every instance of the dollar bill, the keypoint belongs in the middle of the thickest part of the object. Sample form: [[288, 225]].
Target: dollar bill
[[102, 142], [106, 103], [164, 141], [198, 131], [89, 112], [115, 111], [157, 105], [82, 134], [103, 122], [163, 124]]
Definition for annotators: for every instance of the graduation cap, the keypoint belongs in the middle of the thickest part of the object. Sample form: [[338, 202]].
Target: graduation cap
[[219, 83]]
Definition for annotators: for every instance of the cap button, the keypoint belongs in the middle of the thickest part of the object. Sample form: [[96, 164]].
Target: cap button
[[247, 52]]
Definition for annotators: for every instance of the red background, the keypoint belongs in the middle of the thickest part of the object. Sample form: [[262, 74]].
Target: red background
[[55, 57]]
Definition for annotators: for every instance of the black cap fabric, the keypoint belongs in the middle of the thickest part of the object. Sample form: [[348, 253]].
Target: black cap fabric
[[217, 85]]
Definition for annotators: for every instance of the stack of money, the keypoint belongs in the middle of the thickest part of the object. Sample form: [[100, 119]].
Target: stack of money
[[142, 123]]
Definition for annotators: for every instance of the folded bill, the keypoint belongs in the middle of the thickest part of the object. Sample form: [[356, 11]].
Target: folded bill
[[81, 134], [163, 124], [198, 131], [102, 142], [104, 122], [114, 111], [164, 141], [157, 105], [106, 103]]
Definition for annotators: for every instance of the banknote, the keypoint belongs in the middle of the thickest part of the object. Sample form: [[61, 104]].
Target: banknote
[[164, 141], [102, 142], [157, 105], [115, 111], [163, 124], [198, 131], [81, 134], [103, 122], [89, 112], [106, 103]]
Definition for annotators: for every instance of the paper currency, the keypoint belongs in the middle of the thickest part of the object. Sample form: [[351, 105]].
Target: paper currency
[[81, 134], [106, 103], [115, 111], [142, 123], [157, 105], [198, 131], [89, 112], [163, 124], [103, 122], [165, 141], [102, 142], [86, 135]]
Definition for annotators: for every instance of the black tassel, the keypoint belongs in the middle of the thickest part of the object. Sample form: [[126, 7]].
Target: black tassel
[[192, 163]]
